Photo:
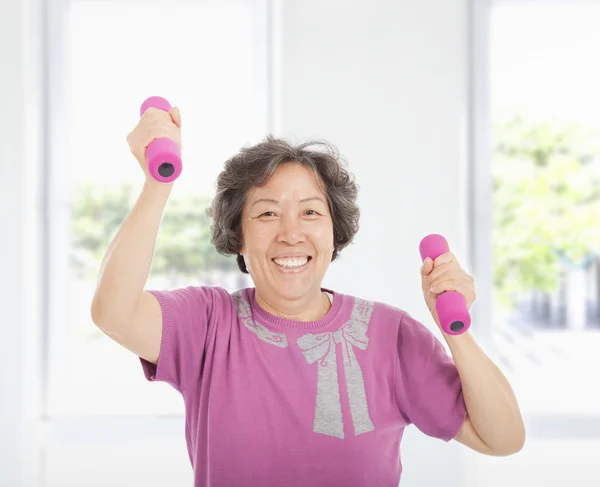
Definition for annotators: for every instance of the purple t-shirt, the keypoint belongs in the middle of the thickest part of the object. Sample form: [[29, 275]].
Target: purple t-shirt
[[272, 402]]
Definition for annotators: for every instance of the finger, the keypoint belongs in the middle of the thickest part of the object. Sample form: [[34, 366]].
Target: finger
[[146, 141], [155, 126], [460, 284], [176, 116], [160, 131], [445, 284], [445, 258], [440, 270], [466, 289], [427, 267], [152, 112]]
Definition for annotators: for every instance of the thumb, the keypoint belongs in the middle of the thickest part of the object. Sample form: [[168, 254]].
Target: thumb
[[176, 116], [427, 267]]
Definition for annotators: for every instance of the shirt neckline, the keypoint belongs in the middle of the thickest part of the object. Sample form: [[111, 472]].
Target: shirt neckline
[[267, 319]]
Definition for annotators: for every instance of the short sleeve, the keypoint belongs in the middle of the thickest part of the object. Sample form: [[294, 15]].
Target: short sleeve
[[187, 314], [428, 387]]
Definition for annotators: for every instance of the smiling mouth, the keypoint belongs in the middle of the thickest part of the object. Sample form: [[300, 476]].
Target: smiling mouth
[[292, 262]]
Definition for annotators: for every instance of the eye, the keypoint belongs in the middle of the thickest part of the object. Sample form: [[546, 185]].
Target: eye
[[267, 213], [311, 212]]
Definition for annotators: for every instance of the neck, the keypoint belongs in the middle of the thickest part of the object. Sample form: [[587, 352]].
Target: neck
[[307, 308]]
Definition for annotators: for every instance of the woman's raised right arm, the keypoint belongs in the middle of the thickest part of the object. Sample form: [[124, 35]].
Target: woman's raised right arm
[[120, 306]]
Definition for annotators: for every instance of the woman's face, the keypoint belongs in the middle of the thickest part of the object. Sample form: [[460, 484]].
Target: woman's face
[[287, 234]]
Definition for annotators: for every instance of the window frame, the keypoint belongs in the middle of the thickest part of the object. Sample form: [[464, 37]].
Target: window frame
[[51, 41], [540, 426]]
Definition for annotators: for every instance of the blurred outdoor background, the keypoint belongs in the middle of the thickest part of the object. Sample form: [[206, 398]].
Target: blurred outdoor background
[[479, 120]]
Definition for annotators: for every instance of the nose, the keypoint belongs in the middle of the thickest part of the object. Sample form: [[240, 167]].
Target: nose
[[291, 230]]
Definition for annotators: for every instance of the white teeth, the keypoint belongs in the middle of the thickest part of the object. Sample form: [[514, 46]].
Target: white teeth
[[291, 263]]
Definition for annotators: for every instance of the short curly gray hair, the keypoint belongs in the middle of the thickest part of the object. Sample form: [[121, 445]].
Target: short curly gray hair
[[253, 166]]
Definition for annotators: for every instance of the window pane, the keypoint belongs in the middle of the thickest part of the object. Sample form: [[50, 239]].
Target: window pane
[[208, 59], [546, 235]]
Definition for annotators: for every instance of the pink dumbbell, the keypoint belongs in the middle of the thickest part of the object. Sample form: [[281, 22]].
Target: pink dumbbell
[[450, 306], [163, 155]]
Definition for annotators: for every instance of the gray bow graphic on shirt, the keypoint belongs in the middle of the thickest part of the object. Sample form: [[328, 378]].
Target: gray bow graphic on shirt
[[322, 348], [244, 311]]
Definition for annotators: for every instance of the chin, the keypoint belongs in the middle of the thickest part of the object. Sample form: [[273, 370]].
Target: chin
[[292, 291]]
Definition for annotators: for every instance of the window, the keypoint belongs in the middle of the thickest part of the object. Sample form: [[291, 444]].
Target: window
[[539, 142], [546, 173], [104, 59]]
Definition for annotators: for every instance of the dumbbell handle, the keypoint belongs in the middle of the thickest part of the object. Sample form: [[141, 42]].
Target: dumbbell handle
[[450, 306], [162, 155]]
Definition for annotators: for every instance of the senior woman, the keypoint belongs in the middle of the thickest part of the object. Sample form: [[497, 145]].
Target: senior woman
[[288, 383]]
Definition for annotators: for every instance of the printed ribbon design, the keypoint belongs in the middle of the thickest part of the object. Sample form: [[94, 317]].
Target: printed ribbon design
[[321, 348], [244, 311]]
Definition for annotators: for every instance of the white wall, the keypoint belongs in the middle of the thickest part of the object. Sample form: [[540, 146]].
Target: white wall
[[21, 216], [384, 81], [12, 144]]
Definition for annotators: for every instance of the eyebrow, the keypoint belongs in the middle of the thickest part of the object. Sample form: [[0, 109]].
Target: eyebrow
[[269, 200]]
